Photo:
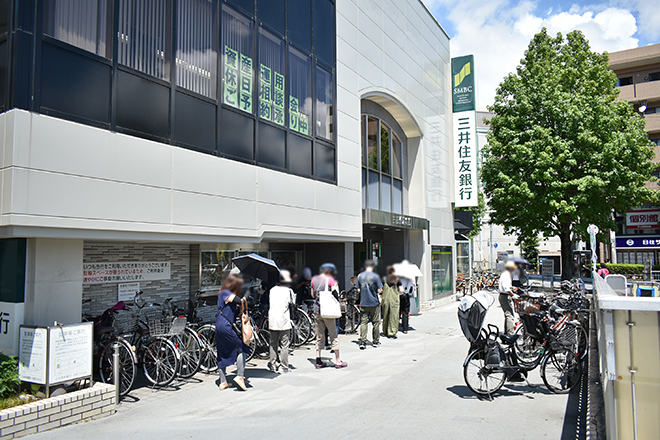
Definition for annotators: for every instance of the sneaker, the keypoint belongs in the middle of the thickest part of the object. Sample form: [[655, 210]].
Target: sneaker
[[363, 345], [376, 344], [272, 368]]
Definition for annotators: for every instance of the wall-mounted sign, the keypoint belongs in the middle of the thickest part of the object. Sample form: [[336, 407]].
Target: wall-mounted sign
[[126, 291], [643, 219], [547, 268], [98, 273], [238, 80], [637, 242], [462, 80], [402, 220], [466, 151], [11, 318]]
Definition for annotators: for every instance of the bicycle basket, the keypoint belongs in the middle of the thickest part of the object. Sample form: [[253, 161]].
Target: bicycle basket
[[526, 305], [568, 336], [532, 325], [166, 326]]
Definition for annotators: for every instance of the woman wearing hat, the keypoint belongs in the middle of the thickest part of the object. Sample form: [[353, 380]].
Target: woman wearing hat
[[506, 292], [279, 323]]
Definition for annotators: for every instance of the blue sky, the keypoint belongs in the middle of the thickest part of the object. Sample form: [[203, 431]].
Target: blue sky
[[498, 31]]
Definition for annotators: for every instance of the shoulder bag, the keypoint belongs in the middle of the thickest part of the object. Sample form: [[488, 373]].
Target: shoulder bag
[[328, 304], [246, 325]]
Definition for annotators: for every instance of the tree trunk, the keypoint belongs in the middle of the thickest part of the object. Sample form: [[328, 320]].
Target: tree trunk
[[566, 254]]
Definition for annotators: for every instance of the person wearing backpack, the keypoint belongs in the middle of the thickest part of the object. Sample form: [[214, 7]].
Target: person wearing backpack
[[279, 323], [231, 349], [321, 284], [603, 271]]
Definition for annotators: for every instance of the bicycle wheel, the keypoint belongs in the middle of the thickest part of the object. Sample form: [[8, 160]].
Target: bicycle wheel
[[206, 335], [262, 339], [527, 348], [160, 361], [190, 349], [127, 367], [350, 321], [561, 371], [481, 380], [252, 349], [583, 343], [301, 330]]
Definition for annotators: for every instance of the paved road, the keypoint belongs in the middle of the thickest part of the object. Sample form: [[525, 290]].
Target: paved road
[[411, 387]]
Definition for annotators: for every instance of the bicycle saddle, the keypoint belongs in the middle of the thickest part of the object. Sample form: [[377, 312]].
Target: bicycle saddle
[[509, 339]]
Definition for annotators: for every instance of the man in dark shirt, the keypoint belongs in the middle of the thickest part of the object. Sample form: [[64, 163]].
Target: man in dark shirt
[[370, 288]]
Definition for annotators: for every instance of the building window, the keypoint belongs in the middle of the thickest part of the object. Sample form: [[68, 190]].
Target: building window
[[625, 81], [324, 109], [196, 51], [238, 51], [142, 36], [271, 77], [655, 76], [382, 172], [81, 23], [300, 91]]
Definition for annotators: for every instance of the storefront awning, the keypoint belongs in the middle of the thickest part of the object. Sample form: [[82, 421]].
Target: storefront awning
[[383, 218]]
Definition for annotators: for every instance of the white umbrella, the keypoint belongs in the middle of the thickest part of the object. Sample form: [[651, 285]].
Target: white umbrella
[[407, 270]]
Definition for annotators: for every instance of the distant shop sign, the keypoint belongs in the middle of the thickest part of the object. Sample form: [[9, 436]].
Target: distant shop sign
[[122, 272], [637, 242], [643, 219]]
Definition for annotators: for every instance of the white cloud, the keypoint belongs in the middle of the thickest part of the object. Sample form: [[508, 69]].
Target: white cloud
[[497, 32]]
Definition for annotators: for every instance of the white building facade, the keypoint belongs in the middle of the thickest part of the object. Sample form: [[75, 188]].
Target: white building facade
[[154, 151]]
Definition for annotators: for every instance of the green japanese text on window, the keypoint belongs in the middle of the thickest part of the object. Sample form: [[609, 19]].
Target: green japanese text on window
[[298, 121], [238, 80], [271, 95]]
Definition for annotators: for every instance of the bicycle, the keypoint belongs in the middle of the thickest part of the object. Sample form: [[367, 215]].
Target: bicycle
[[187, 342], [350, 318]]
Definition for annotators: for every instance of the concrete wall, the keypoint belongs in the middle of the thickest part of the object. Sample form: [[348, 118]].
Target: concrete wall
[[53, 290]]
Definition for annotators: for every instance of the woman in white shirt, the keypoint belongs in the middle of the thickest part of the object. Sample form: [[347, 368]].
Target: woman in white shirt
[[279, 323]]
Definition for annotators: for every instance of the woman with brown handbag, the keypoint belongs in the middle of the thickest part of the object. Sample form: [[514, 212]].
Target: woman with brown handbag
[[231, 349]]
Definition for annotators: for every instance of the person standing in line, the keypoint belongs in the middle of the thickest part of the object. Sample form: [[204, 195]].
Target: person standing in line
[[231, 349], [300, 286], [320, 283], [506, 292], [279, 323], [370, 288], [407, 289], [391, 290]]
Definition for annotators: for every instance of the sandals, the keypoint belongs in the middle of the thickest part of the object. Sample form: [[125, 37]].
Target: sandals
[[341, 364]]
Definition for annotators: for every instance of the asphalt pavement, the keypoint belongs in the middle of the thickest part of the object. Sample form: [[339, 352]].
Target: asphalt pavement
[[410, 387]]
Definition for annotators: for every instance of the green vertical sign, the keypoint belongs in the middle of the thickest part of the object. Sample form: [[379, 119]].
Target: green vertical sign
[[265, 93], [462, 81], [231, 77], [294, 108], [278, 98], [246, 84]]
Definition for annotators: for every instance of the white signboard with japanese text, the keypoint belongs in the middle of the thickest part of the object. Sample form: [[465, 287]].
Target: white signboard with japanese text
[[466, 151], [127, 291], [643, 219], [32, 352], [547, 268], [11, 318], [70, 352], [127, 271]]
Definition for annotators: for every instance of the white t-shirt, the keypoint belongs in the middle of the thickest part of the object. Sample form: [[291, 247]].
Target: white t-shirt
[[278, 314], [516, 275], [506, 283]]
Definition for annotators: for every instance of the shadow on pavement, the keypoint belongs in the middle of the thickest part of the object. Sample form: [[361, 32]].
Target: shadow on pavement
[[575, 418]]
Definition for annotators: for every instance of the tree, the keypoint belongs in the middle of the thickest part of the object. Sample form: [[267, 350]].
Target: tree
[[563, 151], [530, 249], [478, 213]]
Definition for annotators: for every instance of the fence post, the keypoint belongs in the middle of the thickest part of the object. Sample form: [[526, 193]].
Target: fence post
[[115, 370]]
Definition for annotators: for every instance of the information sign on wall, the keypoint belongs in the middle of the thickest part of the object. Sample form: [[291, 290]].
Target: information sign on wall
[[643, 219], [126, 291], [32, 359], [466, 149], [547, 268], [98, 273]]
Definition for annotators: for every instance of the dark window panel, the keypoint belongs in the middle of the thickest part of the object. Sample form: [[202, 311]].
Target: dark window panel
[[324, 108], [384, 148], [364, 188], [272, 97], [194, 122], [372, 143], [4, 16], [324, 31], [246, 5], [299, 23], [324, 162], [4, 60], [299, 152], [80, 23], [13, 254], [196, 47], [75, 84], [236, 135], [397, 196], [142, 105], [272, 12], [386, 194], [238, 60], [373, 190], [396, 156], [23, 14], [270, 148]]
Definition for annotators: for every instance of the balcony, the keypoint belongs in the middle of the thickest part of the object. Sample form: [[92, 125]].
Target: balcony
[[627, 92], [653, 123], [647, 90]]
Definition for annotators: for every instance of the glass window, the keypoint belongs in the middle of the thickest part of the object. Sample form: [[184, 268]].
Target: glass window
[[655, 76], [372, 143], [373, 192], [216, 266], [238, 56], [364, 188], [396, 156], [196, 53], [363, 136], [386, 194], [81, 23], [397, 196], [299, 24], [441, 270], [246, 5], [324, 162], [272, 13], [625, 81], [299, 153], [142, 36], [384, 149], [324, 109], [300, 91], [324, 31], [271, 77], [4, 15]]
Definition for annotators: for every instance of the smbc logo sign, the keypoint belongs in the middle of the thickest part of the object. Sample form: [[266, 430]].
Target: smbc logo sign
[[460, 76], [463, 83]]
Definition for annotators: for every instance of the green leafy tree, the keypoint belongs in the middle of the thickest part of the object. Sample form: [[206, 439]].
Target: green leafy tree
[[478, 213], [530, 249], [563, 151]]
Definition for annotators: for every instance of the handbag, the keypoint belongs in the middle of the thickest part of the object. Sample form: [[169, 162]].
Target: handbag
[[246, 326], [294, 313], [328, 304]]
